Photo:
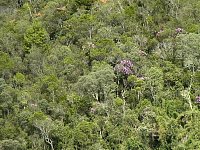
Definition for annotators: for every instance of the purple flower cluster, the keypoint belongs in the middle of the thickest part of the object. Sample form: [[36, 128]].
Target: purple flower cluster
[[159, 32], [198, 99], [124, 67], [179, 30]]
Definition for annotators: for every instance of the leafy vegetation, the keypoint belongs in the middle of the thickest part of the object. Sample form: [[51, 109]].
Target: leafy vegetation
[[99, 75]]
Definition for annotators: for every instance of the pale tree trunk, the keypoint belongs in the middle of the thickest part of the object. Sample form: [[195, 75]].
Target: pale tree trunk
[[30, 13], [138, 96], [50, 142], [186, 93], [45, 134], [120, 5], [152, 94], [53, 95], [90, 33], [124, 104], [189, 89]]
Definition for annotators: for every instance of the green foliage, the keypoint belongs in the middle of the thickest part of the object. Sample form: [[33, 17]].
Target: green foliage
[[85, 135], [19, 79], [60, 84], [37, 36], [134, 144], [5, 62], [12, 145], [118, 102], [188, 49], [98, 83]]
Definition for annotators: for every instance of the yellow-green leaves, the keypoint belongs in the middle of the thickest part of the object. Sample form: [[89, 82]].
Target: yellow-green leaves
[[5, 61], [36, 36]]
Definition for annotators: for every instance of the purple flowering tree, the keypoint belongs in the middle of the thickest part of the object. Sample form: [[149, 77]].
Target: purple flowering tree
[[198, 99], [124, 67], [179, 30]]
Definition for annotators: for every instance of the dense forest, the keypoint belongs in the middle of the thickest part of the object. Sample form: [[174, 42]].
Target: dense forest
[[99, 74]]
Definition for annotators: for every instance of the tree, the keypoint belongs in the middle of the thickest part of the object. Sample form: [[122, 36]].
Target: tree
[[86, 134], [155, 83], [44, 125], [187, 122], [188, 49], [12, 145], [99, 83], [5, 62], [37, 36]]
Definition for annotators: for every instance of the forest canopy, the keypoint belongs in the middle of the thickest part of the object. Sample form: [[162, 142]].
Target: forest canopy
[[99, 74]]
